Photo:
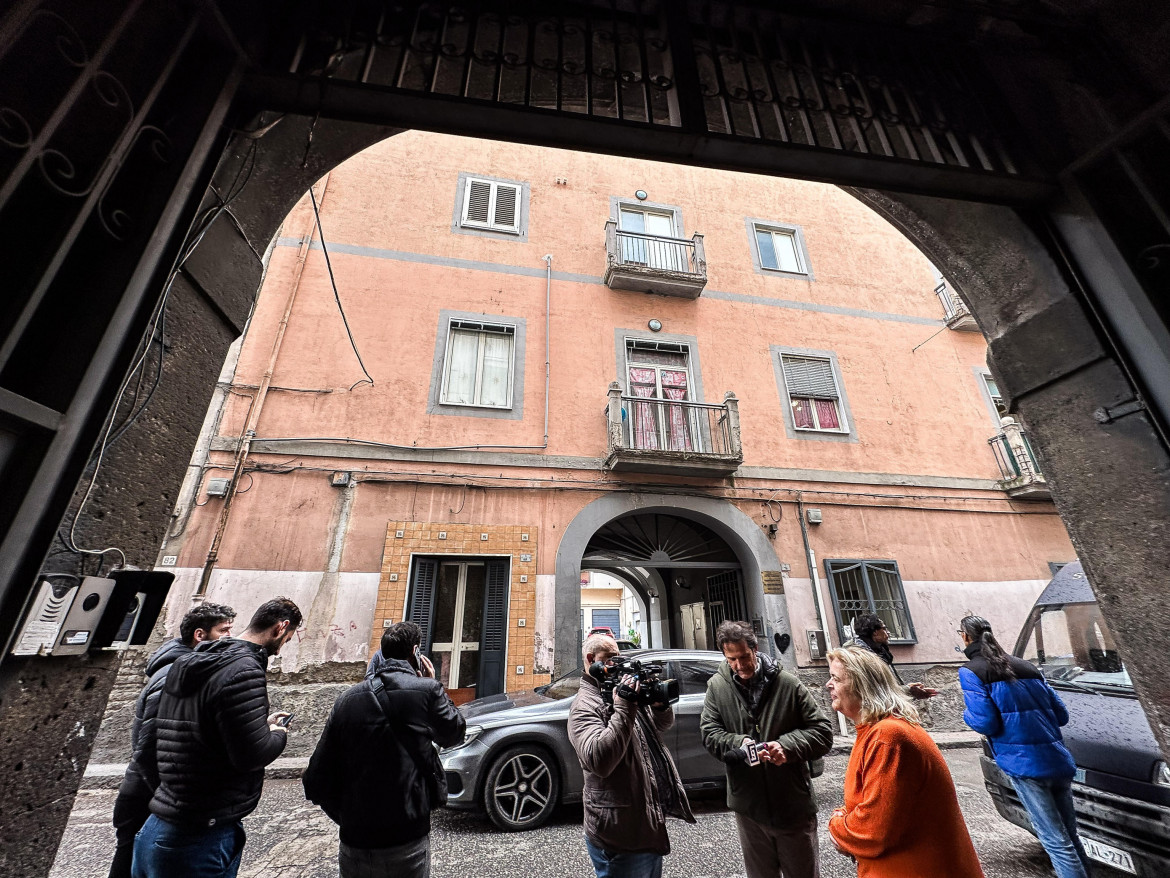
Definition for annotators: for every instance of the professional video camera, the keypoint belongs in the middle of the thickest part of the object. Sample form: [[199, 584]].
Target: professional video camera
[[652, 688]]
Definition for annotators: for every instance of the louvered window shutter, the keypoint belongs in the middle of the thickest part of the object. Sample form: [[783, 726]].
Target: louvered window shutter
[[477, 207], [421, 610], [507, 214], [495, 624], [808, 377]]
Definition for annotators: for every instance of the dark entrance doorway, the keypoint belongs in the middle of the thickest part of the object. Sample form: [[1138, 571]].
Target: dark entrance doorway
[[461, 605], [687, 575]]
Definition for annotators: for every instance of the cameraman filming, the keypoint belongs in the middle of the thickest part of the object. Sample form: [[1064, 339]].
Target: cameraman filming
[[631, 783]]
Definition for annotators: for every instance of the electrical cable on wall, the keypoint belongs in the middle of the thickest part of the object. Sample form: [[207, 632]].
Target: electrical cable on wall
[[193, 239], [336, 297]]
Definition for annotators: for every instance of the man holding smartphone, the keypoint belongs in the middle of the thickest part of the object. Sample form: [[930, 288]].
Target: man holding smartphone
[[766, 726], [375, 771]]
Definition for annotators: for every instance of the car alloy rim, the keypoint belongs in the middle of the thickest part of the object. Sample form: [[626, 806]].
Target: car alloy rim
[[523, 788]]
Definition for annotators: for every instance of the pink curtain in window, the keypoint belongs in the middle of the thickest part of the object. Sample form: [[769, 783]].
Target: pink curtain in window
[[827, 414], [643, 425], [674, 386], [802, 415]]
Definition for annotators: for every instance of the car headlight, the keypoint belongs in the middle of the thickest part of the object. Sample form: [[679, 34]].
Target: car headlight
[[469, 736], [1162, 774]]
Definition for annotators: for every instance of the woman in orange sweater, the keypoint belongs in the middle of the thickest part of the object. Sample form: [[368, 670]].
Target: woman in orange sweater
[[901, 817]]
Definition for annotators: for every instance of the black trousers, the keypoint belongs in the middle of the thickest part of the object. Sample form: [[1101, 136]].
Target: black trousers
[[130, 812]]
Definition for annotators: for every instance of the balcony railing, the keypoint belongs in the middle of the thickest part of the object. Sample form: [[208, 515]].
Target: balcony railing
[[654, 263], [1021, 474], [672, 436], [955, 309]]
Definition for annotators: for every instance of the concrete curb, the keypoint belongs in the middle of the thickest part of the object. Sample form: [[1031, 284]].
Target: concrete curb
[[108, 775]]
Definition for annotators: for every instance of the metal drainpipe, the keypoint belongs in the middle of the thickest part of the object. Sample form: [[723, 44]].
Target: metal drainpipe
[[811, 559], [547, 322], [244, 445]]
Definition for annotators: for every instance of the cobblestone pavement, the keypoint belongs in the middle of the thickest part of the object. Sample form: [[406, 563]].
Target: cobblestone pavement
[[291, 838]]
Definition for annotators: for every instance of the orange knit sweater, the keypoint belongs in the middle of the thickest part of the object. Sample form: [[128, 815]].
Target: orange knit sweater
[[902, 817]]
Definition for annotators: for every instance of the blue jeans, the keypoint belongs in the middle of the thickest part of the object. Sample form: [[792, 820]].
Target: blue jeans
[[1049, 803], [164, 850], [608, 865]]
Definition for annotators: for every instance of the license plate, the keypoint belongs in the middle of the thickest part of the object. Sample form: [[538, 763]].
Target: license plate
[[1109, 855]]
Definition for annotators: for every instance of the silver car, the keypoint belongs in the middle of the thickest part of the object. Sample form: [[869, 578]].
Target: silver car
[[516, 761]]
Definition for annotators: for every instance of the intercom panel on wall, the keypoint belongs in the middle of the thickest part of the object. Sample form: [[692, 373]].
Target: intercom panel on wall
[[44, 621], [88, 605]]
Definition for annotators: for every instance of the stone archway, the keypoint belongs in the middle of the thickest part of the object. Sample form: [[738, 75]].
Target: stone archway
[[741, 534]]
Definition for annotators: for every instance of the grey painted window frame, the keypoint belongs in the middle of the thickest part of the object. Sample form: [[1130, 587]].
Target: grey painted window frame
[[694, 366], [751, 222], [434, 404], [457, 226], [616, 202], [913, 639], [849, 434], [981, 375]]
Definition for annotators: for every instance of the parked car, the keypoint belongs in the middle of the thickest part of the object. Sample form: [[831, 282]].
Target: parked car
[[1122, 785], [516, 761]]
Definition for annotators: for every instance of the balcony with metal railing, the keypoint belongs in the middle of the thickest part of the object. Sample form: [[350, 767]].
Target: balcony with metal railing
[[654, 263], [1022, 477], [672, 436], [955, 309]]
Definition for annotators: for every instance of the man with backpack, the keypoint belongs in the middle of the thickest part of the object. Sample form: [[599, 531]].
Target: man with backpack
[[375, 771]]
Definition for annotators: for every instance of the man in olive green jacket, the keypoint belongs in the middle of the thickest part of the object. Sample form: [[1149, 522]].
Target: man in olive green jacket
[[765, 726], [631, 783]]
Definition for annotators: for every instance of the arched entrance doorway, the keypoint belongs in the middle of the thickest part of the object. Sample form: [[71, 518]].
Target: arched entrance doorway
[[699, 578], [696, 561]]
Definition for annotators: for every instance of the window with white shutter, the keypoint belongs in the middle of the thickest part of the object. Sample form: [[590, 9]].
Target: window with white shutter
[[478, 366], [813, 393], [491, 205]]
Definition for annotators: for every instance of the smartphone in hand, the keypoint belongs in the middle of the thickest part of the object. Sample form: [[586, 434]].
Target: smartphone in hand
[[285, 720]]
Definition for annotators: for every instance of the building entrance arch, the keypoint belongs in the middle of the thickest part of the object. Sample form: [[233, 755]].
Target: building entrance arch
[[727, 538]]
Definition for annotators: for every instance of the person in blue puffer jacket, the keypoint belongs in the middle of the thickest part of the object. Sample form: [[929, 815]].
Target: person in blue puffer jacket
[[1009, 701]]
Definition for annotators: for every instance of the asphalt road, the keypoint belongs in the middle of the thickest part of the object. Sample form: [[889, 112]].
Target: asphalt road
[[291, 838]]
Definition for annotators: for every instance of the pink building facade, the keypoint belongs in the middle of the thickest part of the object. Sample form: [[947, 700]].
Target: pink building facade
[[743, 396]]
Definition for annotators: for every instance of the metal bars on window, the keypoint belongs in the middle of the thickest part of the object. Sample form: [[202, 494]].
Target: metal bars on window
[[863, 587]]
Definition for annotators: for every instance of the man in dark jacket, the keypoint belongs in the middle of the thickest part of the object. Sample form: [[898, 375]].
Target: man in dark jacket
[[631, 783], [375, 771], [765, 726], [871, 633], [206, 622], [214, 738]]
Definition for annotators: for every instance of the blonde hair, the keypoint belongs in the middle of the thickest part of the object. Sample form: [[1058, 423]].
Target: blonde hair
[[598, 641], [875, 686]]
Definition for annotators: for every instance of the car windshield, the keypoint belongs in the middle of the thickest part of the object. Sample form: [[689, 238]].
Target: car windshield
[[563, 687], [1072, 644]]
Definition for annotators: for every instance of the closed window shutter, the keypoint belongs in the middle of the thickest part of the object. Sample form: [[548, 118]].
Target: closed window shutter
[[478, 207], [808, 377], [506, 216], [495, 621], [422, 598]]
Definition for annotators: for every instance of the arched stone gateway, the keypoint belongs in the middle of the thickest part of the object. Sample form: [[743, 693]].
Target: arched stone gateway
[[112, 135], [752, 551]]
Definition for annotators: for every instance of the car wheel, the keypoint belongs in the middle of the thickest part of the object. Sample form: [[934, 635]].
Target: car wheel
[[522, 788]]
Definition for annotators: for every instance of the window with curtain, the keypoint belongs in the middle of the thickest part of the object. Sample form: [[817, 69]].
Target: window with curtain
[[779, 250], [813, 393], [861, 587], [659, 371], [996, 397], [477, 369]]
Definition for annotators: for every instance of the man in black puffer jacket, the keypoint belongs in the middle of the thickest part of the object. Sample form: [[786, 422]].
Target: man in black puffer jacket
[[375, 771], [205, 622], [214, 738]]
